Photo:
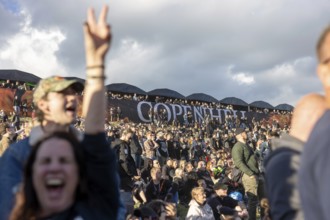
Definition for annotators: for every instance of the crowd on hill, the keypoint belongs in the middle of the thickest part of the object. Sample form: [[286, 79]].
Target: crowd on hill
[[10, 84], [165, 162], [170, 163]]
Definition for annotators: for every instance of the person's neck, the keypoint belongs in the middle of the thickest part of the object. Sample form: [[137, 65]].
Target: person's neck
[[201, 204], [49, 127], [241, 140], [156, 182]]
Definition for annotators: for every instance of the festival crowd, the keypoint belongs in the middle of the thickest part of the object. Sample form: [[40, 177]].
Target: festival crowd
[[171, 165], [58, 167]]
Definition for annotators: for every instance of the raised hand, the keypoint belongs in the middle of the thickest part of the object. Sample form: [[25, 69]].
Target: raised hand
[[97, 42], [97, 37]]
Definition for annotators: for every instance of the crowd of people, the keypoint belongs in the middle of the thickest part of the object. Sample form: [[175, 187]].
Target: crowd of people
[[175, 164], [215, 105], [10, 84], [57, 167], [166, 162]]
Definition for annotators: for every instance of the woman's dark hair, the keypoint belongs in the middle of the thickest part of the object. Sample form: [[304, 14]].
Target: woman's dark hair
[[27, 205]]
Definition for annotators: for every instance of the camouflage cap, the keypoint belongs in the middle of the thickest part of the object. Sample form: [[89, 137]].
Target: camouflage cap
[[54, 84]]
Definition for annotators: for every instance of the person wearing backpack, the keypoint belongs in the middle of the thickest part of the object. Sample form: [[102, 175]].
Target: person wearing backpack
[[245, 160]]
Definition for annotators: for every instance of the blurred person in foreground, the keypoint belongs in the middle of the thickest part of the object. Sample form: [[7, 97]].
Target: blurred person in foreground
[[55, 98], [283, 163], [314, 172]]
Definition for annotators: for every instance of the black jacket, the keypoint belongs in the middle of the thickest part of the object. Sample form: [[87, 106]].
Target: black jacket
[[222, 205], [126, 164], [135, 145], [159, 191]]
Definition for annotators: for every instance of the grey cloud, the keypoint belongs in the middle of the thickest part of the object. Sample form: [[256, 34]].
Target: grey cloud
[[10, 24], [198, 41]]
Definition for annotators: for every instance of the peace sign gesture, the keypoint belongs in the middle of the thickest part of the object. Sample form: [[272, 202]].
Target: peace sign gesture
[[97, 37]]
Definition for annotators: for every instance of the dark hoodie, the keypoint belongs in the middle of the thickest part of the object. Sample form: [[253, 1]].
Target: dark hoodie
[[281, 177]]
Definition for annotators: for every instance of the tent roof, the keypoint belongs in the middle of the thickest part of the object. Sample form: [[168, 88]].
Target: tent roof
[[261, 104], [284, 107], [76, 78], [125, 88], [201, 97], [17, 75], [166, 93], [233, 101]]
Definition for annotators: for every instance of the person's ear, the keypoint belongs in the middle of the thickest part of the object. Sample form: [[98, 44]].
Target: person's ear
[[323, 73], [43, 105]]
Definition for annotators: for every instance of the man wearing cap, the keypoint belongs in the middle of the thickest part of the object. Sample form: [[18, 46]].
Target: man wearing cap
[[244, 159], [222, 204], [56, 103]]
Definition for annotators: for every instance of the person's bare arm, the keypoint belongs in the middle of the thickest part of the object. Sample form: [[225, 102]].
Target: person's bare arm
[[97, 35]]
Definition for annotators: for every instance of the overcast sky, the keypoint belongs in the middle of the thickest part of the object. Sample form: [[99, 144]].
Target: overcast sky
[[253, 50]]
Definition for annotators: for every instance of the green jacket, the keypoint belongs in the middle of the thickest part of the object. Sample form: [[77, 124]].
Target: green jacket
[[244, 159]]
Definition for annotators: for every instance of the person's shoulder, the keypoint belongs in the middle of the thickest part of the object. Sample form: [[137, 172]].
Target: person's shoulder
[[84, 209], [323, 123], [213, 200], [20, 146], [149, 184], [166, 182], [116, 142], [319, 135], [17, 152], [237, 146], [279, 158], [229, 199]]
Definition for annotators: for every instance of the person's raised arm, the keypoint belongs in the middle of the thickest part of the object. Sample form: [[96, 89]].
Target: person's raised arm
[[100, 159], [97, 35]]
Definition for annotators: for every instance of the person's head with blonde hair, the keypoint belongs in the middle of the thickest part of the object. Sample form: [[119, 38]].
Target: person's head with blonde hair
[[179, 172], [198, 194], [182, 164]]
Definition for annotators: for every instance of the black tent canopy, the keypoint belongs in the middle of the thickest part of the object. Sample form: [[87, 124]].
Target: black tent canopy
[[17, 75], [261, 104], [284, 107], [75, 78], [233, 101], [124, 88], [166, 93], [201, 97]]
